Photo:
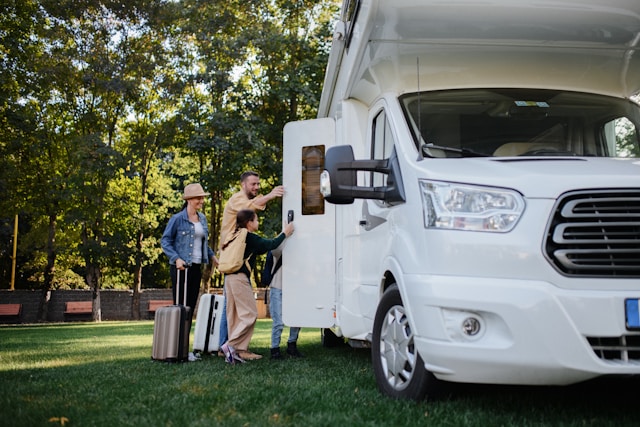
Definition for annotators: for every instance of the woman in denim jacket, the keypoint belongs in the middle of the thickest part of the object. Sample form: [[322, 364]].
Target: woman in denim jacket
[[185, 243]]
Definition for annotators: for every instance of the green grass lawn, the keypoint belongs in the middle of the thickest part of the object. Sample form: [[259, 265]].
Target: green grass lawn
[[101, 374]]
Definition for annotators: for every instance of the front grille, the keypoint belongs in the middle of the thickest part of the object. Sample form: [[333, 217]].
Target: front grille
[[621, 349], [596, 233]]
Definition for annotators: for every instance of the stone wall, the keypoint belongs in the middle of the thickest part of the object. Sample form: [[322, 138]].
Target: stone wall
[[115, 304]]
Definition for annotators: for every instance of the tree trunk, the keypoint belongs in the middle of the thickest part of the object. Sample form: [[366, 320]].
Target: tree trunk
[[49, 270], [93, 278], [137, 270], [135, 304]]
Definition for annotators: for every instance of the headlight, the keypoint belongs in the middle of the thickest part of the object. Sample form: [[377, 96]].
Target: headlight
[[468, 207]]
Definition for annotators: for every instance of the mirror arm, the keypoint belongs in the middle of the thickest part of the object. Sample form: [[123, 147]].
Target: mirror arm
[[380, 166]]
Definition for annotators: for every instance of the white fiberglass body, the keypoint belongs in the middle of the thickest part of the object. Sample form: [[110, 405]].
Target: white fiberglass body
[[483, 224]]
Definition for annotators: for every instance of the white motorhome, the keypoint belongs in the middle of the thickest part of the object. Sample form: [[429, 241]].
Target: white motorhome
[[480, 168]]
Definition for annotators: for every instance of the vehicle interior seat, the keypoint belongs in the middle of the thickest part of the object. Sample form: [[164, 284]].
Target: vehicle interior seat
[[511, 149]]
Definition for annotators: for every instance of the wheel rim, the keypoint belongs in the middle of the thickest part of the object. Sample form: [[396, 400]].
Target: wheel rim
[[397, 353]]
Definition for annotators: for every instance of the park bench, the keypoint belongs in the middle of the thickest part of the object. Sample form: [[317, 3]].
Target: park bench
[[77, 307], [155, 304], [10, 310]]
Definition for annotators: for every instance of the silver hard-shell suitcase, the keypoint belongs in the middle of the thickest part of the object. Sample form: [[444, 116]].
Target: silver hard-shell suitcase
[[208, 319], [171, 329]]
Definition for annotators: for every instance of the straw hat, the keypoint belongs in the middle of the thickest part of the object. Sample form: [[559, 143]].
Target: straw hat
[[193, 190]]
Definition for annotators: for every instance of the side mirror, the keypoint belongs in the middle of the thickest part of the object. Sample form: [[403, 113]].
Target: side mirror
[[338, 182], [338, 178]]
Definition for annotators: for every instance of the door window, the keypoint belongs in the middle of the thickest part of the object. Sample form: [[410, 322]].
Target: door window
[[381, 145], [312, 167]]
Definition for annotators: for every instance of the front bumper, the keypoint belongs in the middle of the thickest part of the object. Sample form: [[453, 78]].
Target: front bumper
[[531, 332]]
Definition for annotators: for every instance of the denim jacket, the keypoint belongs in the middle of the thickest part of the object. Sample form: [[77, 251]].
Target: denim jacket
[[177, 239]]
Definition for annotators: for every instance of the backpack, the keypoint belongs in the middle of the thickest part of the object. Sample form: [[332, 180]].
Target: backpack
[[231, 256], [269, 271]]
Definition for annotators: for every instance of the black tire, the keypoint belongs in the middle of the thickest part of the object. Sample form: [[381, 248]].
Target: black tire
[[329, 339], [398, 368]]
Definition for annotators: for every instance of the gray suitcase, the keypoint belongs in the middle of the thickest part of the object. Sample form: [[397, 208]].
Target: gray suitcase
[[171, 329], [208, 319]]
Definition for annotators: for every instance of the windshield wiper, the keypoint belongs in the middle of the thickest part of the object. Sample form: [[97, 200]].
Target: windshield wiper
[[464, 152]]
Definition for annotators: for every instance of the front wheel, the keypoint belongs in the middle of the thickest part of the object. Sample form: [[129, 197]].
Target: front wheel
[[399, 370]]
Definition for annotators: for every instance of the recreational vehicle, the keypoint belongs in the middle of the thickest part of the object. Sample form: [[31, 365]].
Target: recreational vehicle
[[467, 203]]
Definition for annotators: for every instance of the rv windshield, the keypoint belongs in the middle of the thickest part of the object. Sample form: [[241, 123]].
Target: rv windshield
[[521, 122]]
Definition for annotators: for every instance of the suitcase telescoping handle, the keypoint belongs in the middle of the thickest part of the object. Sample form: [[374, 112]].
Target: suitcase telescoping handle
[[184, 287]]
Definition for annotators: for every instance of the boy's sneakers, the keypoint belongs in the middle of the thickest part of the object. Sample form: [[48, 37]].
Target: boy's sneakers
[[292, 350], [193, 357], [275, 354]]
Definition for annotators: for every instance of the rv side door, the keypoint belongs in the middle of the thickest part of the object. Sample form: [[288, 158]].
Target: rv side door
[[308, 267]]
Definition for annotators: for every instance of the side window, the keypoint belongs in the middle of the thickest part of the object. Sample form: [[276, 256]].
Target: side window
[[621, 138], [381, 145], [312, 166]]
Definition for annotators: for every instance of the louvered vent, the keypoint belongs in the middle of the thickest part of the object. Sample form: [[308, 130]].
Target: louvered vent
[[596, 233], [624, 349]]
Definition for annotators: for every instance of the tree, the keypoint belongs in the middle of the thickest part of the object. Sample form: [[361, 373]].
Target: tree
[[283, 81], [109, 107], [247, 84], [36, 161], [104, 70]]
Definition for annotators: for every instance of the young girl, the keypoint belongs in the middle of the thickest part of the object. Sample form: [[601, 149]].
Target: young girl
[[242, 311]]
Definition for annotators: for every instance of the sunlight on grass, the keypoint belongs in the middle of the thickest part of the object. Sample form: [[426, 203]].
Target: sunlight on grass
[[81, 349], [101, 374], [78, 349]]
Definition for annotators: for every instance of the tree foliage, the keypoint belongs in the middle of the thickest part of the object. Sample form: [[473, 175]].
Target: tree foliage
[[109, 107]]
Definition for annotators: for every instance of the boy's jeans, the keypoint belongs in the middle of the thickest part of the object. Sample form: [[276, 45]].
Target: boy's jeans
[[275, 308], [224, 333]]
